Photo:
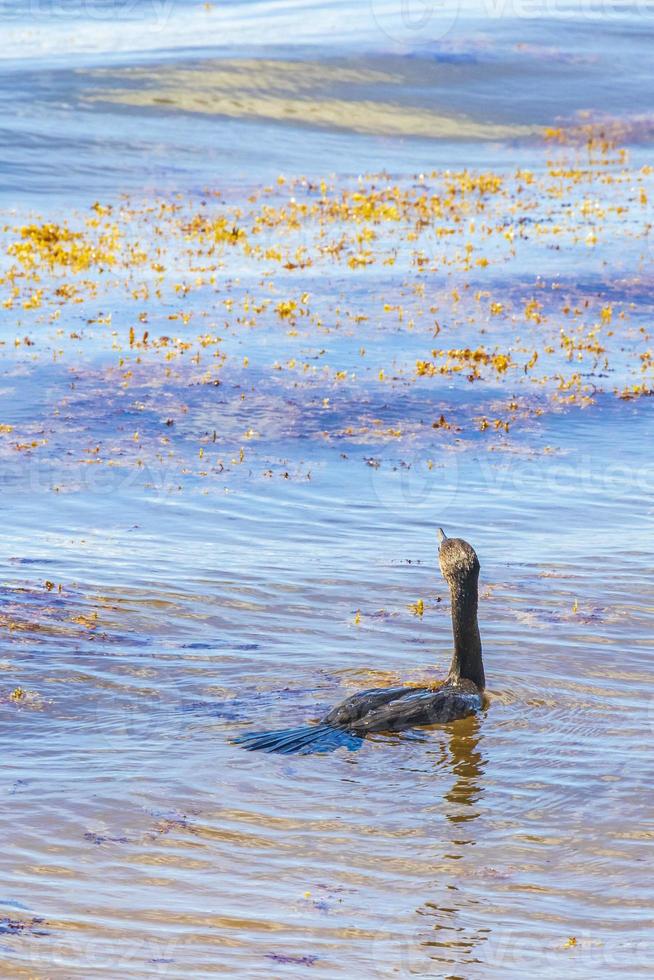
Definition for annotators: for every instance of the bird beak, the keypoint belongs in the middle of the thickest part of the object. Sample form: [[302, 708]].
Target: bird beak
[[442, 536]]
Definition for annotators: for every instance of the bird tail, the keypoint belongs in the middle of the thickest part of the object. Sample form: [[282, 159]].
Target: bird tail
[[304, 740]]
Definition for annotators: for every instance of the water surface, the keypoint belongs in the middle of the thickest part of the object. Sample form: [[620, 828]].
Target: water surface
[[223, 468]]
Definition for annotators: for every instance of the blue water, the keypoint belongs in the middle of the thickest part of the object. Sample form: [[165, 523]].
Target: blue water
[[486, 63], [225, 524]]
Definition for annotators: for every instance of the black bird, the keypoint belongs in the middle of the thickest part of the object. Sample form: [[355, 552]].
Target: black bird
[[394, 709]]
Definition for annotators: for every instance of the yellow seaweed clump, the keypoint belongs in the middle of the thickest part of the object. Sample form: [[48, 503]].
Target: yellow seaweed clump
[[457, 360], [56, 245]]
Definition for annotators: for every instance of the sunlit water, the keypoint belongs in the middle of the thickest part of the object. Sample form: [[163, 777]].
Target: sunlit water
[[160, 597]]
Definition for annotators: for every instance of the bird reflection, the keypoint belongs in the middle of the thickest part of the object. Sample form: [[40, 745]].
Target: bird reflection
[[452, 938], [466, 761]]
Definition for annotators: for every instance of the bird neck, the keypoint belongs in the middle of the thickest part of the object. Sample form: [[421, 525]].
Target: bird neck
[[466, 662]]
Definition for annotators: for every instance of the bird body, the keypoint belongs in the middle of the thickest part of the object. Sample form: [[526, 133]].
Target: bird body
[[396, 709]]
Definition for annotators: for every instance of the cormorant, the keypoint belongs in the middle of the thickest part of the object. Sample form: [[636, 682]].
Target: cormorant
[[393, 709]]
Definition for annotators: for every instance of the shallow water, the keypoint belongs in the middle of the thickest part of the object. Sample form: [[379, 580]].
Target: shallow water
[[223, 523]]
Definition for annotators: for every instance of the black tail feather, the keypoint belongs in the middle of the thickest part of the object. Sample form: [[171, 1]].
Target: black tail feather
[[304, 740]]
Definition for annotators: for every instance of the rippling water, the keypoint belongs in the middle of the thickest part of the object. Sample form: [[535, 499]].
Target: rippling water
[[177, 593]]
